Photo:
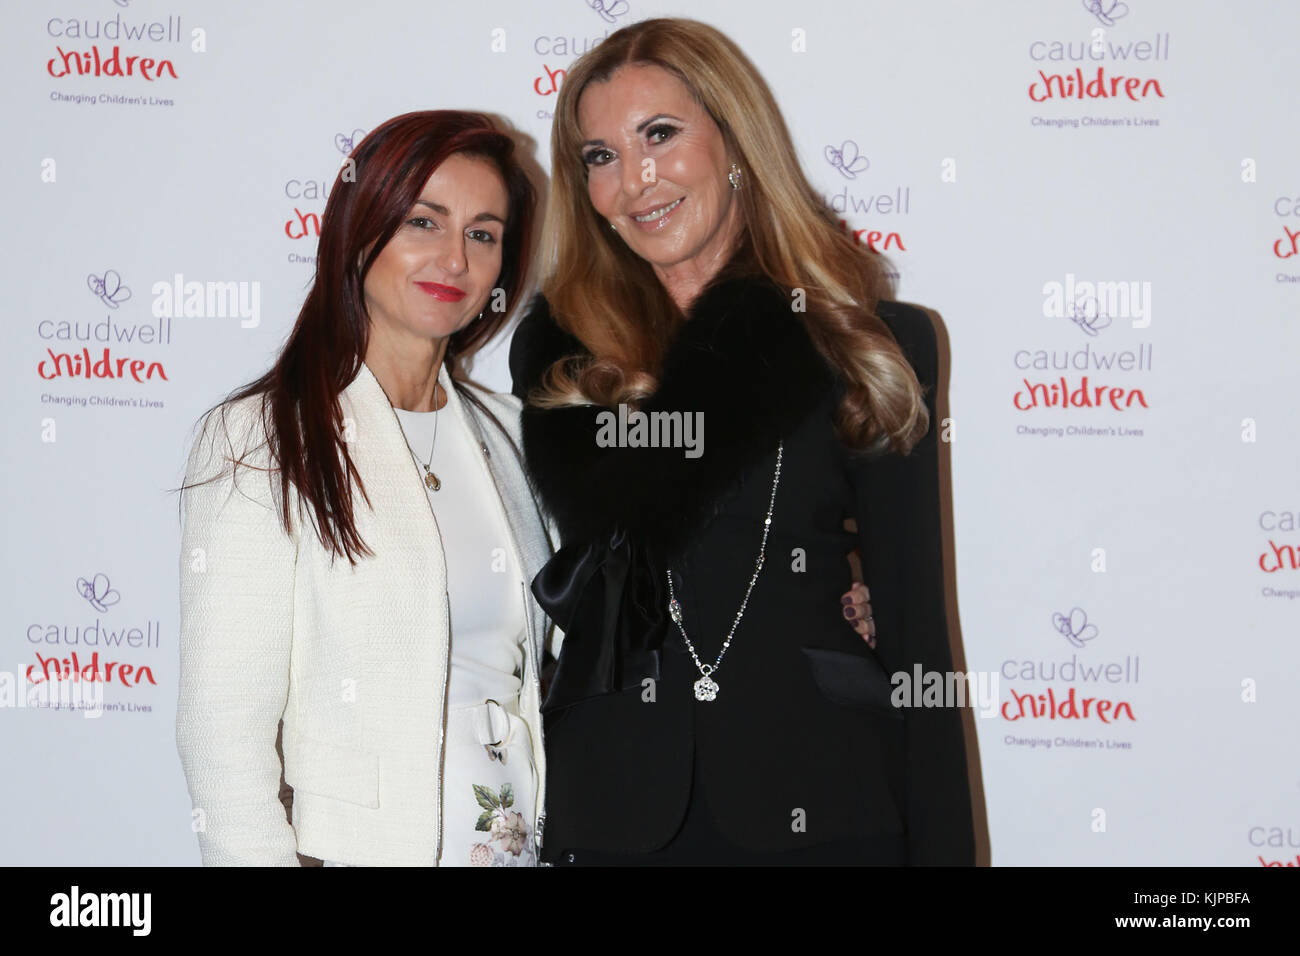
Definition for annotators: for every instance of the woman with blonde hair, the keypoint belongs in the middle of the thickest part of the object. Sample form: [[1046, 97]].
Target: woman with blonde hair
[[715, 381]]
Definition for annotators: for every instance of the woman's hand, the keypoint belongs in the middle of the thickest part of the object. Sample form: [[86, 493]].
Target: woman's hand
[[857, 611]]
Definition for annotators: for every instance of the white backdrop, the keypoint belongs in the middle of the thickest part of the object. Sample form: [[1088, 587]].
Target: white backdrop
[[1156, 553]]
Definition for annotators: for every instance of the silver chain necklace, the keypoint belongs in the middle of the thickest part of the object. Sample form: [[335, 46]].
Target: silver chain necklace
[[706, 688], [431, 481]]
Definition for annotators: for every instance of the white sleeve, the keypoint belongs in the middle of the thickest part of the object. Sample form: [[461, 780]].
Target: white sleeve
[[237, 568]]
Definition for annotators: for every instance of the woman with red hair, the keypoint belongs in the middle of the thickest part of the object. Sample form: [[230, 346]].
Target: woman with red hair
[[388, 634]]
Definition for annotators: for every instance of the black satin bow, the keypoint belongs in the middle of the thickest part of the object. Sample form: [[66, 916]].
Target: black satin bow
[[609, 600]]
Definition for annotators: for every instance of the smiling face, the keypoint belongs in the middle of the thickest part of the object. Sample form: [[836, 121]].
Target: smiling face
[[437, 271], [657, 169]]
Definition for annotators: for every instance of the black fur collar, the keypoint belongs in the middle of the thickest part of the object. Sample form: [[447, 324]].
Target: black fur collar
[[742, 358]]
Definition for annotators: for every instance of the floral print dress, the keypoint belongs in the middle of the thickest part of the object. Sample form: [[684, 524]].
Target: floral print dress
[[489, 789]]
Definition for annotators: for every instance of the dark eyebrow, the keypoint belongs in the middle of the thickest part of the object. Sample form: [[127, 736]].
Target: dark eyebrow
[[640, 128], [443, 211]]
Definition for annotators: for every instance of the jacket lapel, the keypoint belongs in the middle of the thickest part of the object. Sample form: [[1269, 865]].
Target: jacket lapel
[[383, 445], [383, 458], [503, 470]]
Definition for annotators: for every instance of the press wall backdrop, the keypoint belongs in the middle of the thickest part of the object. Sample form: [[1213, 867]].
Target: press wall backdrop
[[1100, 201]]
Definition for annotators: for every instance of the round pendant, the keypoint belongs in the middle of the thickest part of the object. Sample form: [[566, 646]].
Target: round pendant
[[706, 688]]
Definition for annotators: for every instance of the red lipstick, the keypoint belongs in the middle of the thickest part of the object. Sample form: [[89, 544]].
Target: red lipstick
[[446, 293]]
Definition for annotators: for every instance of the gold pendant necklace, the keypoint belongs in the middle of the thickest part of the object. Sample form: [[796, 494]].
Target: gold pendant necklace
[[431, 481]]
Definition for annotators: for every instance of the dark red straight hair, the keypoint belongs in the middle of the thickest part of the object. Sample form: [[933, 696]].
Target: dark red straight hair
[[371, 197]]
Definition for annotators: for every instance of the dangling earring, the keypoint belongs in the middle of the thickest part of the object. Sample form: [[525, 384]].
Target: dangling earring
[[733, 177]]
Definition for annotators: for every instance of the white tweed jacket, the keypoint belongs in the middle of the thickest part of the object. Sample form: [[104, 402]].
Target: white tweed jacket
[[355, 660]]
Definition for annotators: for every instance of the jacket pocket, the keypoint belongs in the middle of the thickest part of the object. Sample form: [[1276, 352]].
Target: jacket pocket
[[328, 770], [852, 680]]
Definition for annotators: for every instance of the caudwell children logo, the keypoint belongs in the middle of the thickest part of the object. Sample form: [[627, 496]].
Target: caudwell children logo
[[1278, 557], [1083, 690], [120, 48], [1093, 375], [569, 46], [1275, 845], [1286, 247], [558, 49], [1127, 70], [855, 199], [308, 194], [105, 650], [115, 333]]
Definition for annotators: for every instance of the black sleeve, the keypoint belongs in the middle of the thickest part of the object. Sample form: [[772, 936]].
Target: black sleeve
[[901, 538]]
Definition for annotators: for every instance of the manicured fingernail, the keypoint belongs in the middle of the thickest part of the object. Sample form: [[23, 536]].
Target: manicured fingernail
[[847, 599], [850, 611]]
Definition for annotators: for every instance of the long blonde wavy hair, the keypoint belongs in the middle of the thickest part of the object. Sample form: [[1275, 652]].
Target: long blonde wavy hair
[[610, 299]]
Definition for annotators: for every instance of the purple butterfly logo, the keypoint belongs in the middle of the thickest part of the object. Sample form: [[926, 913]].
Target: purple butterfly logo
[[109, 288], [1106, 12], [846, 159], [1086, 315], [98, 592], [609, 10], [1075, 627], [346, 143]]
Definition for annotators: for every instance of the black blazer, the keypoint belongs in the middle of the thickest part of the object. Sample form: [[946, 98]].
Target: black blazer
[[803, 727]]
